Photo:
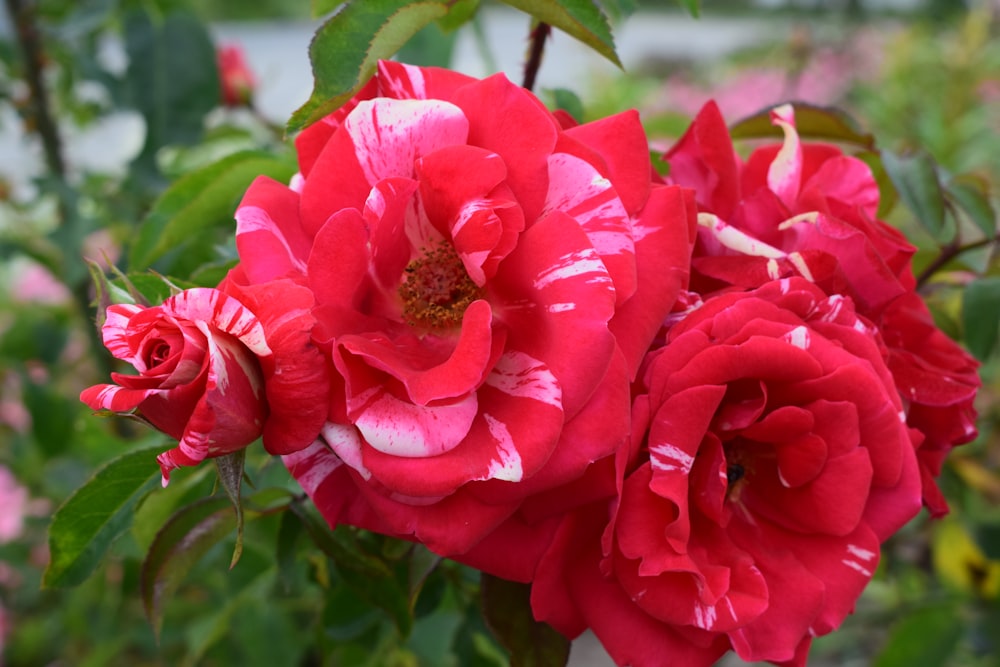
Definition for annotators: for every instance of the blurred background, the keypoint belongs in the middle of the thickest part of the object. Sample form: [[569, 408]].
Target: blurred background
[[105, 103]]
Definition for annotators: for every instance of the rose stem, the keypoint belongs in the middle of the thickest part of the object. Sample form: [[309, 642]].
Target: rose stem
[[948, 253], [23, 16], [539, 34]]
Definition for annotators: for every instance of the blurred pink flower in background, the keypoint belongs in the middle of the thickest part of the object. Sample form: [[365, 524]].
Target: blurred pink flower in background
[[33, 283], [13, 413], [821, 75], [14, 505], [100, 247]]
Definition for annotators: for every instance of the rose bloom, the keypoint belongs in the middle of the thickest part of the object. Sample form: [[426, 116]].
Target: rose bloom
[[806, 209], [488, 276], [235, 76], [770, 460], [214, 374]]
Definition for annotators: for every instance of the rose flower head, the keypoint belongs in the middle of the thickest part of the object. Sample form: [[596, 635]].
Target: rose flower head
[[208, 377], [487, 281], [770, 460], [235, 77], [806, 209]]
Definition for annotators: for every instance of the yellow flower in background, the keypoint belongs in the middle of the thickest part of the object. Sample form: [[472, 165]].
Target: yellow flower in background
[[960, 562]]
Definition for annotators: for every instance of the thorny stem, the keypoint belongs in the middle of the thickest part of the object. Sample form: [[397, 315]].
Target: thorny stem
[[22, 14], [948, 253], [539, 34]]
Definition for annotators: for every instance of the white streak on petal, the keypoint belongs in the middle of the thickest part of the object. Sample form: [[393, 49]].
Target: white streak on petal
[[390, 135], [579, 190], [312, 465], [704, 616], [799, 262], [401, 428], [734, 239], [810, 217], [345, 442], [521, 375], [573, 265], [799, 337], [669, 457], [508, 466], [397, 86], [863, 554], [773, 272], [561, 307], [255, 219], [857, 566], [223, 312]]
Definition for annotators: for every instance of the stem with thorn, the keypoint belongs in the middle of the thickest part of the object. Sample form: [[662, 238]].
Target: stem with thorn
[[539, 34], [948, 253]]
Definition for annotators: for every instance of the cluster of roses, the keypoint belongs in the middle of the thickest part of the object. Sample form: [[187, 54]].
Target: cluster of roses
[[687, 409]]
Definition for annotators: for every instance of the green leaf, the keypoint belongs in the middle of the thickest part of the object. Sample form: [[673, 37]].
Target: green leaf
[[693, 6], [201, 200], [972, 195], [145, 289], [507, 611], [348, 46], [388, 594], [581, 19], [981, 315], [84, 527], [205, 631], [916, 179], [324, 7], [290, 529], [421, 562], [344, 553], [566, 100], [887, 191], [370, 577], [230, 469], [182, 541], [811, 122], [172, 79], [619, 10], [459, 13], [157, 508], [52, 415], [925, 637]]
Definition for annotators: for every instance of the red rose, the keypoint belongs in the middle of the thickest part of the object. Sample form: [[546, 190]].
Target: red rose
[[486, 283], [235, 76], [209, 367], [775, 462], [807, 209]]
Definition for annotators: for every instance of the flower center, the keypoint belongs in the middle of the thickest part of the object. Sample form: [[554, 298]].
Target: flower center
[[437, 290]]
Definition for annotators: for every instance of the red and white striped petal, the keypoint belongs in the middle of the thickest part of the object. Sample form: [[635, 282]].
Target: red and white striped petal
[[784, 176], [221, 311], [115, 332], [580, 191], [390, 135], [269, 235]]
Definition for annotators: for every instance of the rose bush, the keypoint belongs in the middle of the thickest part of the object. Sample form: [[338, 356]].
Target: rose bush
[[808, 209], [770, 458], [214, 374], [487, 276]]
